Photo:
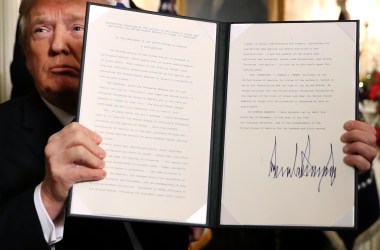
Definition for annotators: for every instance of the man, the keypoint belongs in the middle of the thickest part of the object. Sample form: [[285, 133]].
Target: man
[[38, 157], [35, 184], [22, 82]]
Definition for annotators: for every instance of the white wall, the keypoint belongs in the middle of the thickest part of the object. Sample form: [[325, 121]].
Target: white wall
[[8, 20]]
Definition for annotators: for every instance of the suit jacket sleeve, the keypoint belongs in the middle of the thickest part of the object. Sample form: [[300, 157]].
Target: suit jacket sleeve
[[19, 224], [21, 170]]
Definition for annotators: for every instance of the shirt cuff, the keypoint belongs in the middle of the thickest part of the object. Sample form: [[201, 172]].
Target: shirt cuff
[[53, 231]]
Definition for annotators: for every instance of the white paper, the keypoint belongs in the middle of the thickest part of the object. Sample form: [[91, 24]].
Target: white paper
[[291, 87], [147, 89]]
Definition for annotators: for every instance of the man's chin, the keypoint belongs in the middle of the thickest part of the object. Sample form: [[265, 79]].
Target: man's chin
[[66, 87], [69, 100], [63, 98]]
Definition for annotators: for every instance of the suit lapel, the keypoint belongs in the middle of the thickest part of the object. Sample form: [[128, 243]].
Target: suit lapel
[[38, 124]]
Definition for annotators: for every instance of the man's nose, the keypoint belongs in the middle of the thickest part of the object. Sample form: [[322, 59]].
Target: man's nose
[[60, 40]]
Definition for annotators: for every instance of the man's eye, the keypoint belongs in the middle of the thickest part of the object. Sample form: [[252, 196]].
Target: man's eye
[[38, 30], [78, 28]]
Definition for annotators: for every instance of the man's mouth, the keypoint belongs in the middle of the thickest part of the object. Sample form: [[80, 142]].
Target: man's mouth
[[64, 69]]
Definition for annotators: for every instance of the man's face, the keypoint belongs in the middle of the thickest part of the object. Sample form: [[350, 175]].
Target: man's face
[[53, 48]]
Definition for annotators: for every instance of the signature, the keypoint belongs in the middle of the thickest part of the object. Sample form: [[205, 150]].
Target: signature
[[302, 167]]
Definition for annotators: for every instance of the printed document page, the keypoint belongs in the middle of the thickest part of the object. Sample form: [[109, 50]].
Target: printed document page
[[147, 89], [291, 87]]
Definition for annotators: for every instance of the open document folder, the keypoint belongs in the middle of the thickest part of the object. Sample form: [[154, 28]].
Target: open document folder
[[210, 123]]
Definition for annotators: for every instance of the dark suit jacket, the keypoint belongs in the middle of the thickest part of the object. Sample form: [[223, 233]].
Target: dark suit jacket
[[25, 126]]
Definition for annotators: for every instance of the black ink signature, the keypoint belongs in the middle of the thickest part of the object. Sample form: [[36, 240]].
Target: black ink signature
[[305, 168]]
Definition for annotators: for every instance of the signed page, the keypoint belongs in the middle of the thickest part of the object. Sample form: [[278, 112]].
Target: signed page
[[291, 87], [147, 89]]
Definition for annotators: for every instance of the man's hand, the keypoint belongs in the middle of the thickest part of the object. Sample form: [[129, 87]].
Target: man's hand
[[72, 155], [360, 147], [196, 233]]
